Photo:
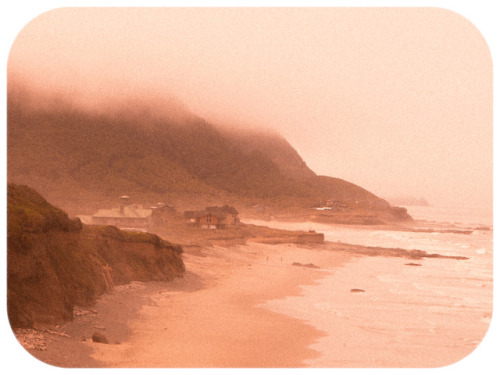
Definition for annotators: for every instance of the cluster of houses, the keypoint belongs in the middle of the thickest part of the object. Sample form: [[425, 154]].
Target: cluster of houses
[[330, 205], [128, 216]]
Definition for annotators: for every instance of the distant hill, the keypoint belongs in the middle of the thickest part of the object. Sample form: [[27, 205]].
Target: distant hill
[[82, 160], [273, 146], [409, 201]]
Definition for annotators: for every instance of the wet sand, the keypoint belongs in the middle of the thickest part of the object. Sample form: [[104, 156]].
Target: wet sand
[[223, 314], [210, 318], [371, 323]]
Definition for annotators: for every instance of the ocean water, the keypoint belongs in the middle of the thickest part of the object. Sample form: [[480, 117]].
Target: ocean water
[[429, 315]]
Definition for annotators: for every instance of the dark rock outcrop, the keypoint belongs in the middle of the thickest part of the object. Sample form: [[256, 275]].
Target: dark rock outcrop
[[99, 337]]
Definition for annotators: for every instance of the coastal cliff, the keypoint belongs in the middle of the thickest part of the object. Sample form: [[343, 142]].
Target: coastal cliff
[[55, 263]]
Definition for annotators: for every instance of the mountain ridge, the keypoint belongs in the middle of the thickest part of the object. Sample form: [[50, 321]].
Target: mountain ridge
[[82, 159]]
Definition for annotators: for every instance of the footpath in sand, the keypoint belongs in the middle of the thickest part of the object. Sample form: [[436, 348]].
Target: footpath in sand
[[208, 318]]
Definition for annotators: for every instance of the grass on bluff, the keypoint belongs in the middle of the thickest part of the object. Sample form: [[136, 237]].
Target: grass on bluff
[[54, 262]]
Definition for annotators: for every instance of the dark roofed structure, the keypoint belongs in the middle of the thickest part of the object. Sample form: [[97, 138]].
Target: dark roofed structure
[[213, 217]]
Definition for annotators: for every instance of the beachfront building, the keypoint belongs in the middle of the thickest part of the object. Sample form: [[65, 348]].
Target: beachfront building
[[213, 217], [126, 216], [162, 214]]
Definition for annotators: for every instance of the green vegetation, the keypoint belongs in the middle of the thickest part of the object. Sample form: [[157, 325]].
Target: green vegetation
[[28, 211]]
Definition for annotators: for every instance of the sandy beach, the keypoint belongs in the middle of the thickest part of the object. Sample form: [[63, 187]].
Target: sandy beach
[[242, 306], [209, 318]]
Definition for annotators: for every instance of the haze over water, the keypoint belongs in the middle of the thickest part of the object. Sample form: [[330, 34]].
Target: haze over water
[[436, 313], [396, 100]]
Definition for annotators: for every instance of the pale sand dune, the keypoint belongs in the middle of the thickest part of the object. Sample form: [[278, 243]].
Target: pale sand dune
[[218, 323]]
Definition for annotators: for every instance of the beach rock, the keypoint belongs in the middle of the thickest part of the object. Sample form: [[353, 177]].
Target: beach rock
[[482, 228], [32, 339], [310, 265], [355, 290], [99, 337]]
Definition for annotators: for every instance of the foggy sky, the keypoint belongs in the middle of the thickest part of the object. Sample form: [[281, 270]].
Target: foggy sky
[[398, 101]]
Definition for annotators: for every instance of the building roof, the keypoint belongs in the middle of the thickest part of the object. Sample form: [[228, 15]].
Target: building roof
[[198, 214], [195, 214], [189, 214], [128, 212], [223, 210]]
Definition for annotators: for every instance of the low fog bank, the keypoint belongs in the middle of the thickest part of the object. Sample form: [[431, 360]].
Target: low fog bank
[[135, 103]]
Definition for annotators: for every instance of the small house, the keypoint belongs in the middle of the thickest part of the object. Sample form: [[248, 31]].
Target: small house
[[213, 217], [126, 216], [162, 213]]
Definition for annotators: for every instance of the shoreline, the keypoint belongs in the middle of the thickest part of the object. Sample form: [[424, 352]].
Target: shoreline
[[221, 325], [209, 318], [355, 306], [220, 314]]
